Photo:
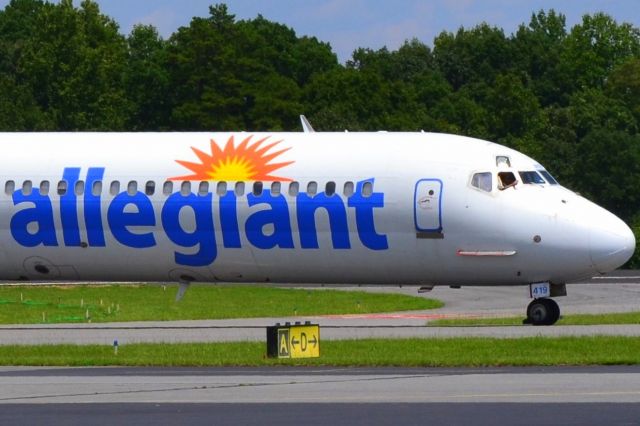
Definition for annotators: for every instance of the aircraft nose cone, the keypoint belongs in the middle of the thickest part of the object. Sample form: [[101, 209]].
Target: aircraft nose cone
[[612, 243]]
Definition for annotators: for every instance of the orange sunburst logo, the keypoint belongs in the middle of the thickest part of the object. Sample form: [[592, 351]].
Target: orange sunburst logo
[[247, 161]]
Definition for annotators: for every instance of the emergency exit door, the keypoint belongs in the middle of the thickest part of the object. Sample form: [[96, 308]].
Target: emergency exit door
[[428, 205]]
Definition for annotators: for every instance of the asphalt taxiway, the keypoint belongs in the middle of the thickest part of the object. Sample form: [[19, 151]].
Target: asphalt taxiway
[[313, 396], [617, 292]]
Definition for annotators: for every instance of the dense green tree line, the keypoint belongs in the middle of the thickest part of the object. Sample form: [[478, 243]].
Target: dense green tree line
[[569, 97]]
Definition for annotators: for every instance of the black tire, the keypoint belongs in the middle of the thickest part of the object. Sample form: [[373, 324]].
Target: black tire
[[543, 312], [555, 311]]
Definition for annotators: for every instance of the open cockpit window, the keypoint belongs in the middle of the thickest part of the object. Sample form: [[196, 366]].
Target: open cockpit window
[[482, 181], [550, 179], [531, 177], [506, 179]]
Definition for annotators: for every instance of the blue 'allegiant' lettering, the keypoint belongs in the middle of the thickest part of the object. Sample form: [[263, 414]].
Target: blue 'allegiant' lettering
[[202, 236], [229, 220], [69, 208], [277, 215], [364, 216], [307, 207], [120, 219], [92, 208], [132, 219], [41, 215]]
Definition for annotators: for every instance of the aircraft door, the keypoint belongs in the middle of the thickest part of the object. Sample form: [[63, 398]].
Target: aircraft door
[[428, 206]]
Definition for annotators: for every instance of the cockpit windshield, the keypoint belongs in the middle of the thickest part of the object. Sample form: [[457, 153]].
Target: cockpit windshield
[[550, 179], [482, 181], [531, 177]]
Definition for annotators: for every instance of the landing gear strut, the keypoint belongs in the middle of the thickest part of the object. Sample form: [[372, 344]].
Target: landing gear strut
[[542, 311]]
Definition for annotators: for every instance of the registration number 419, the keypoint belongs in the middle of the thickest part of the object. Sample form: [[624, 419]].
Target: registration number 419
[[538, 290]]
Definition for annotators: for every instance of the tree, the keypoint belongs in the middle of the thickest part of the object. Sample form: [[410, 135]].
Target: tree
[[537, 50], [203, 69], [147, 80], [610, 170], [623, 83], [594, 48], [19, 110], [592, 109], [475, 55], [512, 107], [634, 263], [73, 63]]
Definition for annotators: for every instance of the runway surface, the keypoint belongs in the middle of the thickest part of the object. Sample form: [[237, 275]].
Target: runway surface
[[561, 395], [618, 292], [336, 396]]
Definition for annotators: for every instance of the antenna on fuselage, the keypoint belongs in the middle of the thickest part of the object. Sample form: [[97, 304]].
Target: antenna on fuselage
[[306, 126]]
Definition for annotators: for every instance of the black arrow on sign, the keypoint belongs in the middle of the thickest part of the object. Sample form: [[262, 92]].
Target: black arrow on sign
[[294, 342], [314, 341]]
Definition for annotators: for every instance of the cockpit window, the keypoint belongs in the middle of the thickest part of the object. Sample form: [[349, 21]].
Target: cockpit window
[[503, 160], [550, 179], [482, 181], [506, 179], [531, 177]]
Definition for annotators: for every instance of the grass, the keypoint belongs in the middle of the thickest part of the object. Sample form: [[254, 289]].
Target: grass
[[108, 303], [453, 352], [578, 319]]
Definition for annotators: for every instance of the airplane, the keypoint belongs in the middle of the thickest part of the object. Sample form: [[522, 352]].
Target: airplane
[[421, 209]]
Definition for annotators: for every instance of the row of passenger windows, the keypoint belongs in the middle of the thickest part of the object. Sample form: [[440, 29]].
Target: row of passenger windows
[[203, 188], [484, 180]]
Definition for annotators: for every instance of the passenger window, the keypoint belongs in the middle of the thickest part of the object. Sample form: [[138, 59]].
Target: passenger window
[[132, 187], [185, 188], [27, 187], [167, 188], [312, 188], [531, 177], [239, 189], [550, 179], [44, 187], [367, 189], [221, 190], [275, 188], [203, 188], [348, 189], [114, 189], [482, 181], [150, 187], [330, 188], [257, 188], [294, 188], [62, 187], [79, 188], [97, 188], [506, 179], [9, 187]]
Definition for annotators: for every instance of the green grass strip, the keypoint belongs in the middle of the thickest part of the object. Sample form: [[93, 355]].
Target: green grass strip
[[577, 319], [109, 303], [454, 352]]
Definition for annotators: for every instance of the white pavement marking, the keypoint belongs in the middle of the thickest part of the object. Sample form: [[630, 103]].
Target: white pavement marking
[[631, 277]]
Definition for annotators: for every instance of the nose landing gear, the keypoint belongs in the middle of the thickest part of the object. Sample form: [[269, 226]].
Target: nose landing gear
[[542, 312]]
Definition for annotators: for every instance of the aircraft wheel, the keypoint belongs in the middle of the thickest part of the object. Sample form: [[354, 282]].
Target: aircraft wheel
[[543, 312]]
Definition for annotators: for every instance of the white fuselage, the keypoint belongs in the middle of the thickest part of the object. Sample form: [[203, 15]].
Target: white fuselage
[[370, 208]]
